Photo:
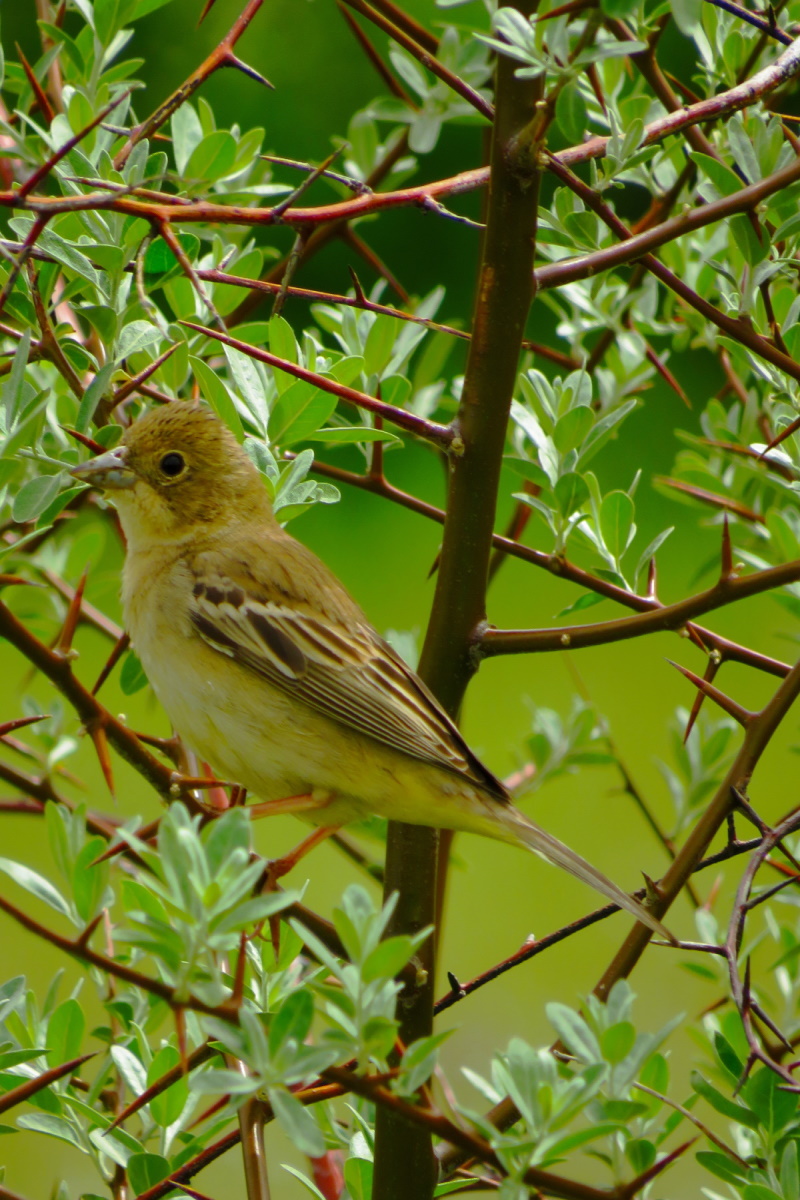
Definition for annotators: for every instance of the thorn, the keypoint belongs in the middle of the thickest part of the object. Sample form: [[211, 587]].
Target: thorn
[[148, 834], [721, 503], [653, 893], [781, 437], [762, 897], [180, 1030], [358, 289], [666, 375], [434, 566], [743, 805], [135, 381], [740, 714], [63, 645], [84, 440], [17, 581], [207, 7], [232, 60], [211, 1111], [171, 747], [237, 993], [180, 782], [181, 1186], [746, 997], [20, 723], [83, 939], [726, 569], [119, 649], [238, 795], [652, 579], [637, 1184], [745, 1075], [45, 107], [97, 733], [712, 667], [70, 144], [455, 986]]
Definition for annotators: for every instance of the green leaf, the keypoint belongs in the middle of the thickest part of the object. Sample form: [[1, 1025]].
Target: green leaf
[[88, 880], [619, 8], [169, 1104], [723, 178], [298, 1122], [341, 435], [571, 113], [65, 1031], [574, 1032], [132, 677], [292, 1020], [12, 392], [283, 343], [213, 158], [616, 522], [617, 1042], [358, 1178], [36, 884], [146, 1170], [721, 1166], [752, 250], [51, 1125], [217, 395], [388, 957], [92, 397], [587, 600], [572, 428], [301, 1178], [773, 1106], [571, 492], [300, 411], [379, 344], [110, 16], [722, 1104], [159, 259], [249, 385], [135, 336], [34, 496]]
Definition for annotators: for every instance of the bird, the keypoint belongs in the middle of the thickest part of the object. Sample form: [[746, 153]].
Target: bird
[[267, 667]]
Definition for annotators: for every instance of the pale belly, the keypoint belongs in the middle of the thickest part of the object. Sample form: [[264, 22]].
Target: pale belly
[[253, 733]]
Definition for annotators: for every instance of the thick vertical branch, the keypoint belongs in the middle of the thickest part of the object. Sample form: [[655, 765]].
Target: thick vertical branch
[[403, 1155]]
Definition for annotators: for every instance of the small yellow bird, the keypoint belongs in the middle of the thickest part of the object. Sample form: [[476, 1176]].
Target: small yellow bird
[[266, 666]]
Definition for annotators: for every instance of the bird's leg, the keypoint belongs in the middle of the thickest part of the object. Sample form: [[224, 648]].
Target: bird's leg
[[290, 804]]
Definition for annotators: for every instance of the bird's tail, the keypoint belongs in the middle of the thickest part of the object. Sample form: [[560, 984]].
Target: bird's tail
[[515, 827]]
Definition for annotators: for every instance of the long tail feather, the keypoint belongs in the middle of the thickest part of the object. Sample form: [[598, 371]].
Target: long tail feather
[[524, 831]]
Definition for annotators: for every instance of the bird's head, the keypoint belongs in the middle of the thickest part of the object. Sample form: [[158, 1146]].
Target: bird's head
[[177, 469]]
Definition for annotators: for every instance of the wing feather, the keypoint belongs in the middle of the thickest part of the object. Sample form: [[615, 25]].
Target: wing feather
[[348, 674]]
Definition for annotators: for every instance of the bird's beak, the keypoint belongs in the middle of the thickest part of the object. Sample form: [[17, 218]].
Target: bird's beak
[[108, 471]]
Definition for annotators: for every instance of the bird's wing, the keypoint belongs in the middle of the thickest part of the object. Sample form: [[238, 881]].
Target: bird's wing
[[344, 671]]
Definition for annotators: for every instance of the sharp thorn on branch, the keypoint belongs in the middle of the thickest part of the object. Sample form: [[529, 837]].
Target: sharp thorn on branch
[[726, 555], [63, 643], [711, 669], [20, 723], [740, 714], [233, 60]]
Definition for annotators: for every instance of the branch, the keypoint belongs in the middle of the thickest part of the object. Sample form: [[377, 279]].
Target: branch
[[432, 431], [493, 642], [222, 56]]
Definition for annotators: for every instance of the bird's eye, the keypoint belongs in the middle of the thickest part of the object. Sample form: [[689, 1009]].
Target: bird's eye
[[172, 464]]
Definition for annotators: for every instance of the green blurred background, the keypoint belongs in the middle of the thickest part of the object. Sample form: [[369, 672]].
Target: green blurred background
[[498, 896]]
